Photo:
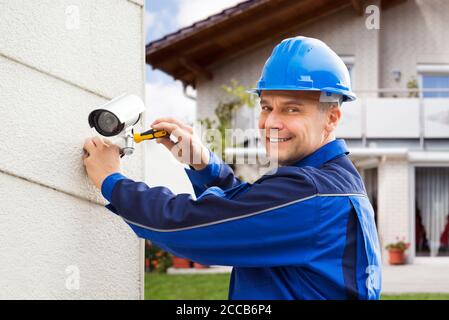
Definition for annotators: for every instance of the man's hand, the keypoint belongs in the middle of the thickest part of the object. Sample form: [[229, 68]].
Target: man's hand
[[101, 159], [189, 148]]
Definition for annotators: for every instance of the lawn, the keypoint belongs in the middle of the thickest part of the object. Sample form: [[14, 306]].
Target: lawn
[[215, 287], [186, 286]]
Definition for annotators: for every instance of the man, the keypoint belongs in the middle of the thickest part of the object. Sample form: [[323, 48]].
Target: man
[[304, 232]]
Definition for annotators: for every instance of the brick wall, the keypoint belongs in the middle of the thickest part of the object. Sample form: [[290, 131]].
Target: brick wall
[[393, 201]]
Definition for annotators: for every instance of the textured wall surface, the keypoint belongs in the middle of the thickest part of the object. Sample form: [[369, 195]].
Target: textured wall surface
[[413, 33], [52, 220], [393, 201]]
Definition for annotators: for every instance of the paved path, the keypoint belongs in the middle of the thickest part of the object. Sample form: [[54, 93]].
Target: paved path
[[424, 275]]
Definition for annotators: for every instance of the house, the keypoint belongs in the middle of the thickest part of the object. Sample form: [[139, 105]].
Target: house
[[397, 130], [58, 60]]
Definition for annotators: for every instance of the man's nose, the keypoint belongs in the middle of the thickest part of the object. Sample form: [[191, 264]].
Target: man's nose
[[273, 122]]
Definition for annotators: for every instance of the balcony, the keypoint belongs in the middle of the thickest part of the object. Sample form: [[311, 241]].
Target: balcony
[[395, 118], [380, 124]]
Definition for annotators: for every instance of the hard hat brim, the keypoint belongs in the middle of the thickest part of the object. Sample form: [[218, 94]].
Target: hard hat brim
[[347, 96]]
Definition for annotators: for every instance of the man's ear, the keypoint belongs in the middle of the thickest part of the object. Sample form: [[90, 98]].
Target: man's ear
[[333, 116]]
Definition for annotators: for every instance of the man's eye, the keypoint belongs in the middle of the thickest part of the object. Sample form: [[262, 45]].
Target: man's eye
[[264, 108], [292, 110]]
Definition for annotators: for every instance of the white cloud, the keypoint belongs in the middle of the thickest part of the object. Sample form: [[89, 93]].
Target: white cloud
[[149, 19], [190, 11], [157, 23], [168, 100]]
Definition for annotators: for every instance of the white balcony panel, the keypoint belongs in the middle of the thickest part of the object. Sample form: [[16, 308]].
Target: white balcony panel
[[350, 125], [436, 118], [392, 118]]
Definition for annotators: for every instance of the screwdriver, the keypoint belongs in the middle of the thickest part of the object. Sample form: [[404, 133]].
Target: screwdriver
[[150, 134]]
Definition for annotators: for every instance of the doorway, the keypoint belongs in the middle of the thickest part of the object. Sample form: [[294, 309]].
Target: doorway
[[431, 211]]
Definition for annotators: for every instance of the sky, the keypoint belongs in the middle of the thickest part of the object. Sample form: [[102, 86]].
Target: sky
[[161, 18]]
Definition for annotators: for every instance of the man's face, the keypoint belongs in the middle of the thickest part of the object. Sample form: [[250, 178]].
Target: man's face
[[294, 118]]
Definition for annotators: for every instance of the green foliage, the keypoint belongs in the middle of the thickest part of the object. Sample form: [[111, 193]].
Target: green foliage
[[235, 98], [413, 84], [400, 244], [160, 260], [239, 95]]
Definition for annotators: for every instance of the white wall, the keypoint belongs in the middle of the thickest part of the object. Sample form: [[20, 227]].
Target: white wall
[[52, 74]]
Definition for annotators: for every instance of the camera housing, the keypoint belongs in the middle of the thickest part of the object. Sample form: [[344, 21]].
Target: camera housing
[[117, 115]]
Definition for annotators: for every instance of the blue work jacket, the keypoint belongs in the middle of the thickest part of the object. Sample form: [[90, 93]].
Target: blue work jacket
[[305, 231]]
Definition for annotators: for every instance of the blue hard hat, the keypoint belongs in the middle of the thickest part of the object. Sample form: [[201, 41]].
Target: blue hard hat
[[305, 64]]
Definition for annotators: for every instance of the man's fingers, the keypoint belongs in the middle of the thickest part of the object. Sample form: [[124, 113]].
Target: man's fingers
[[172, 129], [166, 142], [89, 145], [180, 134], [93, 143], [169, 127], [98, 142], [173, 121], [107, 142]]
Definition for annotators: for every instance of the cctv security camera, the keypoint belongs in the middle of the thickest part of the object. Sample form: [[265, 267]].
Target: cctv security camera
[[117, 115]]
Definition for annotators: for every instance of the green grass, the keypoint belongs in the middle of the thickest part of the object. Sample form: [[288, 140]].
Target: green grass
[[416, 296], [186, 286], [215, 287]]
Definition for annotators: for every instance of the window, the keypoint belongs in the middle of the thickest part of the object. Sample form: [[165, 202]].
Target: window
[[435, 82], [434, 76]]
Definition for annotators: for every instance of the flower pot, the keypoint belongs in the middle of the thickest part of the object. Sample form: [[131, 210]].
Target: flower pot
[[180, 263], [396, 256], [199, 266]]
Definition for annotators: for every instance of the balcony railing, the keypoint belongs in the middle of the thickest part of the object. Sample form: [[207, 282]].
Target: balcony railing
[[395, 117], [378, 114]]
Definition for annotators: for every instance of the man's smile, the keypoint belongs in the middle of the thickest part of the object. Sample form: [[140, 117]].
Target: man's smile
[[278, 140]]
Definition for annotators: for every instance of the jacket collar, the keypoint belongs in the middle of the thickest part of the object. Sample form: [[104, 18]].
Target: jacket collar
[[324, 154]]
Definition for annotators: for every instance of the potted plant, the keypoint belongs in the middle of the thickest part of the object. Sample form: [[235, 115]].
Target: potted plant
[[396, 251], [181, 263]]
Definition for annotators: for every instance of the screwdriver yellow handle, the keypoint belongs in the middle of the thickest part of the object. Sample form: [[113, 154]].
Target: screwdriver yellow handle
[[150, 134]]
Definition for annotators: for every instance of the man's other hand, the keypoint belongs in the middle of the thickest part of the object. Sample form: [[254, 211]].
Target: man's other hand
[[189, 149], [101, 159]]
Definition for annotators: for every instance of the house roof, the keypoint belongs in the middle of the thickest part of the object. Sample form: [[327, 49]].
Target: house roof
[[188, 53]]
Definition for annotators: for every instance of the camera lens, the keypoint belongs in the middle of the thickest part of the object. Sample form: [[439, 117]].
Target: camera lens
[[107, 123]]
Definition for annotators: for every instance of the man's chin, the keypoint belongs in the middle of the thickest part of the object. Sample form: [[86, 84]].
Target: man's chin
[[277, 159]]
